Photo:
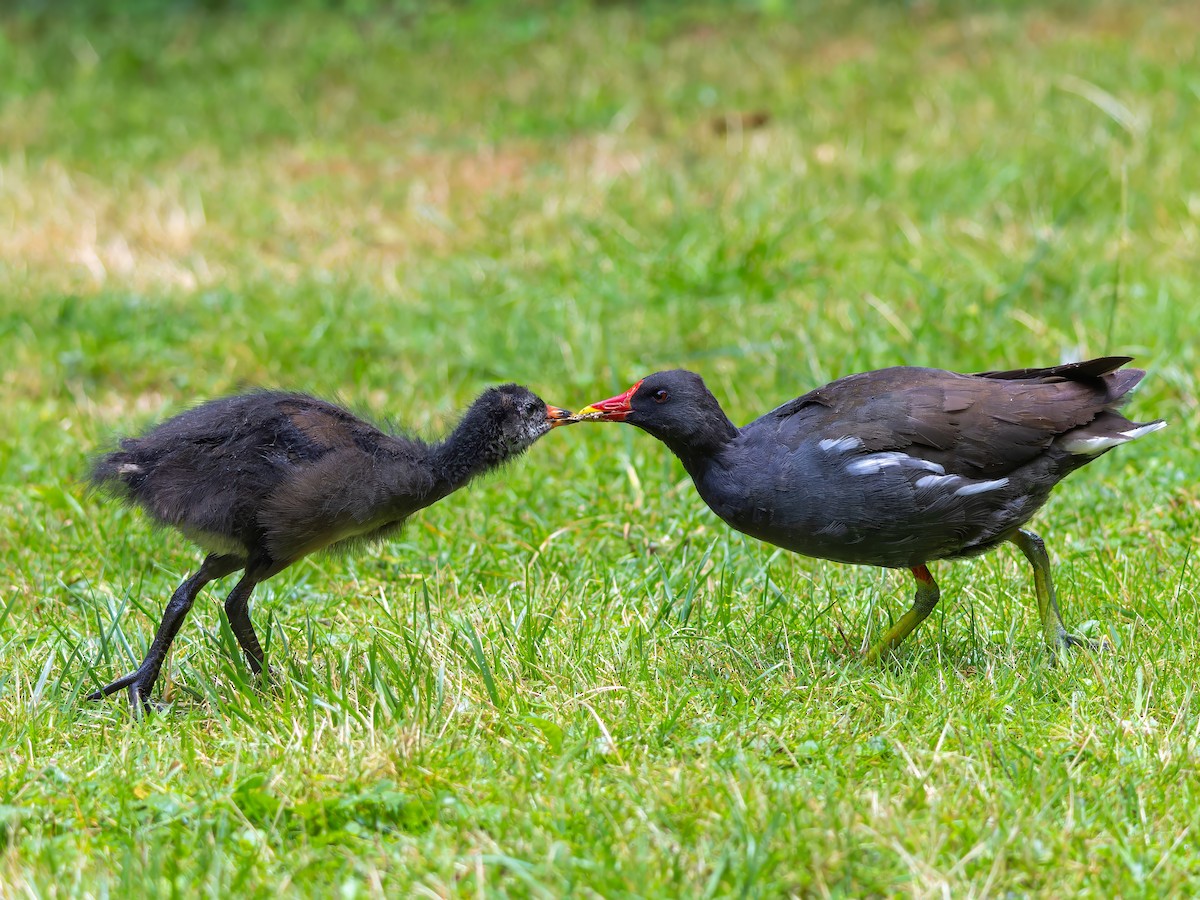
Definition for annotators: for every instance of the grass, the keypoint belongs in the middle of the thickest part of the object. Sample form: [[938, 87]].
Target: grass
[[571, 679]]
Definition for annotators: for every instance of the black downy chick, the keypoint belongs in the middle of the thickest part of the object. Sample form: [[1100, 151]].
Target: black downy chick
[[261, 480]]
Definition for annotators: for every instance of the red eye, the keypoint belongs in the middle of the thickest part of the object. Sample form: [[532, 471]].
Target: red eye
[[660, 396]]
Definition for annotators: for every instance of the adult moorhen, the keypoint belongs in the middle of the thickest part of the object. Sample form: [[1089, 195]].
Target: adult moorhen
[[897, 467], [260, 480]]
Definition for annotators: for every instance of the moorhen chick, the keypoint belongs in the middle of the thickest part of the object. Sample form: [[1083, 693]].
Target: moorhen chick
[[261, 480], [897, 467]]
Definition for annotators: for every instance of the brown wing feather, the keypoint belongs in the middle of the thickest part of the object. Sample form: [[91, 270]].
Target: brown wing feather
[[978, 426]]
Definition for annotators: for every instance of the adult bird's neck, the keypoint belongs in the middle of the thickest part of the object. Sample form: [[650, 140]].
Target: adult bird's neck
[[705, 444]]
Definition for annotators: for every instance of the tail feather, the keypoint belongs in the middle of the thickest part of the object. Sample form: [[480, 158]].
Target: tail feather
[[1121, 383], [1105, 370], [122, 472], [1076, 371]]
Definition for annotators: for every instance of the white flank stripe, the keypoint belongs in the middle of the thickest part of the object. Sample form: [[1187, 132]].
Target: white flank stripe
[[871, 465], [936, 481], [839, 445], [877, 462], [980, 487]]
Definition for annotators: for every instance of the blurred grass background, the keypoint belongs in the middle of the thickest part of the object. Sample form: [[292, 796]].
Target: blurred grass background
[[572, 679]]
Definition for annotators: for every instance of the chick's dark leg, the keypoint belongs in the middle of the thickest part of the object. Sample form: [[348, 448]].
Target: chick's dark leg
[[1053, 628], [141, 681], [924, 601], [237, 609]]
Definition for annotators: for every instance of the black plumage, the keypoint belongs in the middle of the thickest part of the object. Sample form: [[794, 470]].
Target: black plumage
[[262, 479], [897, 467]]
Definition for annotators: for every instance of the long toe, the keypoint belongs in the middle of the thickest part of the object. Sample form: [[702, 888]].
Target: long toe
[[113, 686], [140, 683], [1069, 642], [139, 697]]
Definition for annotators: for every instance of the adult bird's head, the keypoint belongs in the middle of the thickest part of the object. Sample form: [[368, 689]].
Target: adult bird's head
[[674, 406]]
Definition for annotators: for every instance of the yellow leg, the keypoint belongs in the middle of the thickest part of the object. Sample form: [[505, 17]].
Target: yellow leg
[[923, 603], [1053, 628]]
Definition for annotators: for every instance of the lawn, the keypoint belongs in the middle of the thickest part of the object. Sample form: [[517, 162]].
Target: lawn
[[571, 678]]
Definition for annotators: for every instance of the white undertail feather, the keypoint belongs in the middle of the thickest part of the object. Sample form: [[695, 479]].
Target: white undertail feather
[[1092, 444]]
